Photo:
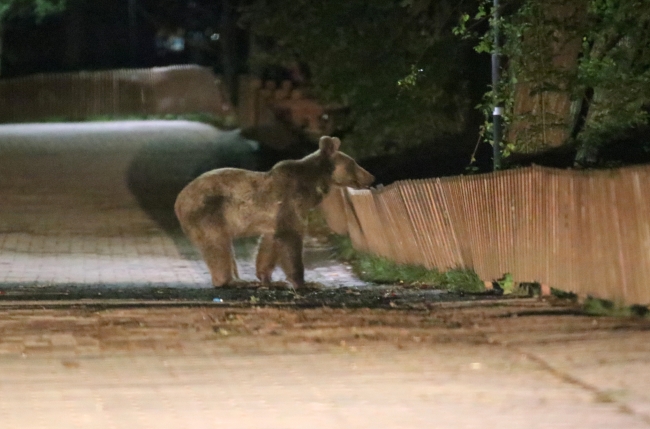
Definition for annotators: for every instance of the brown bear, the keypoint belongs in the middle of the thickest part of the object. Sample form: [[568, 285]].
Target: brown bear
[[227, 203]]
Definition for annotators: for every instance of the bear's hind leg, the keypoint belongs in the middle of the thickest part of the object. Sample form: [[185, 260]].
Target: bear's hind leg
[[219, 258], [289, 251], [266, 259], [215, 246]]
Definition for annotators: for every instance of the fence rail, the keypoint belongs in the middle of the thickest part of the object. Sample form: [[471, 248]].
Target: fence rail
[[585, 232]]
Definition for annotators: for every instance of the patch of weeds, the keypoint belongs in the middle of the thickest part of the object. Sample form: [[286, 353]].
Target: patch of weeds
[[377, 269], [601, 307], [564, 295], [343, 247], [640, 310], [382, 270], [462, 279], [507, 284], [533, 289], [317, 226]]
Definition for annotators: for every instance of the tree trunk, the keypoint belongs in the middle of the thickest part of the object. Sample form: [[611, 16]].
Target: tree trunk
[[543, 118]]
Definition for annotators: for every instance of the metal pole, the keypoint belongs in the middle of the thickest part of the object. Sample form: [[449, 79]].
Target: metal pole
[[133, 32], [497, 113]]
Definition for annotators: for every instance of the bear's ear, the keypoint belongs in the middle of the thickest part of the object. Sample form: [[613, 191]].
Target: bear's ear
[[329, 145]]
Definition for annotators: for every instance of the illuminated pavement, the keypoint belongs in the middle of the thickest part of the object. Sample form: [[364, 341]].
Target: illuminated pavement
[[209, 366], [71, 199]]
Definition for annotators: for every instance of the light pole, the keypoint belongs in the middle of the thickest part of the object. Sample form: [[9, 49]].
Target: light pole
[[497, 113]]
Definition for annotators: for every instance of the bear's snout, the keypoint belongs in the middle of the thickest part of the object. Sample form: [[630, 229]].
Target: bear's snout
[[364, 178]]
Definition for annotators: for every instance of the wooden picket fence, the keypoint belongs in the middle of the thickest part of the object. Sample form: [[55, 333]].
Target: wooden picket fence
[[262, 103], [113, 93], [586, 232]]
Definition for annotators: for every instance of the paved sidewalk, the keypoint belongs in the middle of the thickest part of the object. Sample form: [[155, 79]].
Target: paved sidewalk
[[206, 367], [68, 213], [374, 388]]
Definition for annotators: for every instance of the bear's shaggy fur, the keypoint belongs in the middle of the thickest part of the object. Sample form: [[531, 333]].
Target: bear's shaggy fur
[[228, 203]]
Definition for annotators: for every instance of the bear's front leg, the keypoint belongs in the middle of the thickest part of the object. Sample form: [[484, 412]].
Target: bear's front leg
[[267, 256], [289, 247]]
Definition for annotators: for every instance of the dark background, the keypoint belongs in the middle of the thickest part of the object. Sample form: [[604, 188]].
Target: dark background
[[107, 34]]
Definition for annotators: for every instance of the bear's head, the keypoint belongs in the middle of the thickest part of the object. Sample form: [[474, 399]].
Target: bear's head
[[346, 171]]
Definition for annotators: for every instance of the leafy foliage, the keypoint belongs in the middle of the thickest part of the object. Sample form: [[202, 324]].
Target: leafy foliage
[[615, 64], [600, 307], [395, 65], [40, 8], [594, 51]]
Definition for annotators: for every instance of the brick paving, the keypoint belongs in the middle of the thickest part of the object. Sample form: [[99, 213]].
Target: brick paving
[[68, 215]]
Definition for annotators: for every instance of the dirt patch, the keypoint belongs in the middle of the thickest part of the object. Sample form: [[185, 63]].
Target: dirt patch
[[249, 293], [166, 324]]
